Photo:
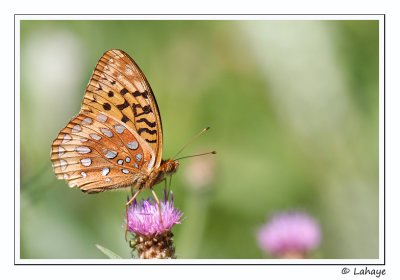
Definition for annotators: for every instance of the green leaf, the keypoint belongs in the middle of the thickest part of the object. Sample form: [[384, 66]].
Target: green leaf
[[108, 252]]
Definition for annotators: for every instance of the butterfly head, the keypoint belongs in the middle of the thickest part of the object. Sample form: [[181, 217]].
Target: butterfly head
[[170, 166]]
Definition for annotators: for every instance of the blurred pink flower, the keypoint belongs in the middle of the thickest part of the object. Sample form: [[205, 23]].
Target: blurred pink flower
[[200, 172], [289, 235]]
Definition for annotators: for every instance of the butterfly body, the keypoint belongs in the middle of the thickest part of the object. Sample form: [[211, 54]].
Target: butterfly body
[[116, 139], [167, 168]]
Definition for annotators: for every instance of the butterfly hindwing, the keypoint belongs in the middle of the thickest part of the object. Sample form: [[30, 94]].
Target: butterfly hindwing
[[98, 152]]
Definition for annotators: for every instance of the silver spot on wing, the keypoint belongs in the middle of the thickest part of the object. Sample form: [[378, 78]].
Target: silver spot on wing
[[86, 120], [61, 151], [119, 128], [63, 164], [107, 132], [102, 118], [105, 171], [95, 136], [83, 150], [133, 145], [77, 128], [66, 138], [111, 154], [86, 161]]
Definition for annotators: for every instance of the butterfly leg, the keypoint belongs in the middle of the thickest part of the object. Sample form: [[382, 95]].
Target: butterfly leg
[[165, 184], [127, 207], [165, 188], [158, 204], [169, 186], [133, 198], [166, 193]]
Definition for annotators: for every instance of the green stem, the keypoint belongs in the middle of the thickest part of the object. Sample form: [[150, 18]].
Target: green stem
[[191, 235]]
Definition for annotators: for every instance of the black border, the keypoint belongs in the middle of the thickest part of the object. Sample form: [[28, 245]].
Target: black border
[[229, 264]]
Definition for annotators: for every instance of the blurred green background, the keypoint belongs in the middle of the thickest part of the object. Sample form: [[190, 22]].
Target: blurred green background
[[293, 110]]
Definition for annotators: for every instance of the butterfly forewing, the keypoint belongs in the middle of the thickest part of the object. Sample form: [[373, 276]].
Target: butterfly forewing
[[117, 135], [119, 88]]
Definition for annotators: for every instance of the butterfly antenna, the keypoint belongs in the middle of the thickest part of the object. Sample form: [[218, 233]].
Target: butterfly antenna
[[191, 141], [208, 153]]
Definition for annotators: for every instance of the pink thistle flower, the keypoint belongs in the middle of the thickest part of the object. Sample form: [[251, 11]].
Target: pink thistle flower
[[144, 217], [152, 235], [289, 235]]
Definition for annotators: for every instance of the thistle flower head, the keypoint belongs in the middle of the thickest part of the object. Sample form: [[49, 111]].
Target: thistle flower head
[[289, 234], [151, 227], [144, 216]]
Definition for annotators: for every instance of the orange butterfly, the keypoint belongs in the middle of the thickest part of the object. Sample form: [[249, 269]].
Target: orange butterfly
[[116, 139]]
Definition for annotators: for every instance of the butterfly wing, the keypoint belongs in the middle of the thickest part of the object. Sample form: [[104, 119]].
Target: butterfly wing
[[117, 136], [120, 89], [96, 153]]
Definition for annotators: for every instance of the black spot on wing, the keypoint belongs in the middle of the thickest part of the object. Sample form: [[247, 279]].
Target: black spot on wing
[[145, 129], [138, 93], [123, 105], [107, 106], [134, 108], [124, 91], [146, 109], [149, 123], [124, 118], [94, 98], [151, 141]]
